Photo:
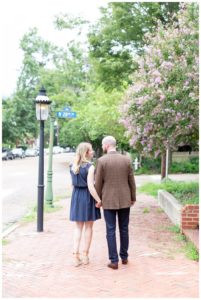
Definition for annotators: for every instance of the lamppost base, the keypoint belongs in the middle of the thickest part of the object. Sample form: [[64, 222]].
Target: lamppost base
[[49, 204]]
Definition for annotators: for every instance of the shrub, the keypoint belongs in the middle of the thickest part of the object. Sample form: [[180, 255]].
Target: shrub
[[152, 166], [191, 166], [149, 166]]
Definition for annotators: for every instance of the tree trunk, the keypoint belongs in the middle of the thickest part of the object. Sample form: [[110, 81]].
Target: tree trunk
[[163, 165], [98, 152], [170, 158]]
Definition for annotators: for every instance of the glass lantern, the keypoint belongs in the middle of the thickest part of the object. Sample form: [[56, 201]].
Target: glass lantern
[[42, 105]]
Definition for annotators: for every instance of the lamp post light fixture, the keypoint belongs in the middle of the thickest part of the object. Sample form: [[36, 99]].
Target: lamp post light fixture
[[42, 112]]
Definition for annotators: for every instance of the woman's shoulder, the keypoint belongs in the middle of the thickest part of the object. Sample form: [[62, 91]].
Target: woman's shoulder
[[87, 165], [71, 167]]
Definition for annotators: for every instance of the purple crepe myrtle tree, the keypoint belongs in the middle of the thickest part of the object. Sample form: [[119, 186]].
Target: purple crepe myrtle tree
[[160, 110]]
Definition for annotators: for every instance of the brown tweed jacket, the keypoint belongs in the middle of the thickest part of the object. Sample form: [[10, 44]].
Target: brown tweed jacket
[[114, 181]]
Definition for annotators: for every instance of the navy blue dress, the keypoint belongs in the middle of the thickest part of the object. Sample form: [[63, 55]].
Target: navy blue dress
[[82, 203]]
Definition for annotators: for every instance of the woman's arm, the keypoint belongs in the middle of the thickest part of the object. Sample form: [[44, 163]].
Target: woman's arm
[[90, 183]]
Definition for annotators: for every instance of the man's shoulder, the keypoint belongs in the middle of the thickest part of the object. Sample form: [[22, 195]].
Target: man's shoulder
[[116, 155], [102, 158]]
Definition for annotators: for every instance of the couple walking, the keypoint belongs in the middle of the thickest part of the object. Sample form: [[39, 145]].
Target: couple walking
[[112, 186]]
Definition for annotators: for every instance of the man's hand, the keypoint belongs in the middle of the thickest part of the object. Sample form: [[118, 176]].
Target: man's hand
[[98, 204], [132, 203]]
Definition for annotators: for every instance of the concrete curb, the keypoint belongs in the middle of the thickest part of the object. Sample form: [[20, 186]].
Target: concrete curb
[[171, 206], [9, 230]]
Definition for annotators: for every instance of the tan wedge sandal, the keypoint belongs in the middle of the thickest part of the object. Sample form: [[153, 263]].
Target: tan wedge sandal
[[85, 258], [76, 260]]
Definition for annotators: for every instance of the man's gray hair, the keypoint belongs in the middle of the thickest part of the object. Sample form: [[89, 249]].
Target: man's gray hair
[[109, 140]]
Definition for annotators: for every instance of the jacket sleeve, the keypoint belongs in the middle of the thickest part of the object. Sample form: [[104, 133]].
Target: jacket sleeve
[[99, 178], [131, 182]]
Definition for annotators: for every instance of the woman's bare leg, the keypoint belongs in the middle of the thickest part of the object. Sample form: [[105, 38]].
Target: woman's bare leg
[[88, 236], [77, 236]]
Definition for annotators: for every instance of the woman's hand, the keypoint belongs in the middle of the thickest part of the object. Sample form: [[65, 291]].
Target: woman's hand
[[98, 204]]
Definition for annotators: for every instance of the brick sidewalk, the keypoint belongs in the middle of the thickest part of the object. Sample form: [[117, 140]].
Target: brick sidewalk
[[39, 264]]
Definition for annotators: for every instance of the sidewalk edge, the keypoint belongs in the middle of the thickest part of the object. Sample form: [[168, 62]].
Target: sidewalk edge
[[9, 230]]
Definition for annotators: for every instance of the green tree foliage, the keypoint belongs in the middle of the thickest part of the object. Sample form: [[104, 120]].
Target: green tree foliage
[[19, 119], [37, 54], [119, 35], [60, 70], [97, 116]]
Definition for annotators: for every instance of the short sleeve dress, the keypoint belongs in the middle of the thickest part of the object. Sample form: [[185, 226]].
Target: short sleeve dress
[[83, 207]]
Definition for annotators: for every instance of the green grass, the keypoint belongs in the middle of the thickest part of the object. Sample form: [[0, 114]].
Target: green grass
[[188, 247], [191, 251], [50, 209], [174, 228], [185, 192], [146, 210], [159, 210], [32, 215], [150, 189], [5, 242]]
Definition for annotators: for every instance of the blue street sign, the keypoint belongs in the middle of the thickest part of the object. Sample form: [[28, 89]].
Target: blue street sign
[[72, 114], [67, 108], [64, 114], [60, 114]]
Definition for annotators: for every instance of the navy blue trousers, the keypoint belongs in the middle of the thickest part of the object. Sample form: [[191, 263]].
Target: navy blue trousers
[[123, 220]]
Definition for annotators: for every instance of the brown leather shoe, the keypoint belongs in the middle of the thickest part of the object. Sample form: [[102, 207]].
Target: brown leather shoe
[[113, 266], [124, 261]]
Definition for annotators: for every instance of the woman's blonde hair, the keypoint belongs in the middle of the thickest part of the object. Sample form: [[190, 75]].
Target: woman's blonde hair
[[81, 156]]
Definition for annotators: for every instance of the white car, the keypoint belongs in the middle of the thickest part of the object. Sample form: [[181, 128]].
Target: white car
[[31, 152], [18, 152], [57, 149]]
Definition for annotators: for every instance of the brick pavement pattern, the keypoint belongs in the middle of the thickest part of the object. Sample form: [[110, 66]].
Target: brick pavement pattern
[[39, 264]]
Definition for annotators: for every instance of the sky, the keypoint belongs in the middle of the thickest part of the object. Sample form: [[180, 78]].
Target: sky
[[17, 16]]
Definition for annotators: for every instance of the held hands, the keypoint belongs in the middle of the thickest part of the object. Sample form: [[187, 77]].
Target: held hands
[[98, 204]]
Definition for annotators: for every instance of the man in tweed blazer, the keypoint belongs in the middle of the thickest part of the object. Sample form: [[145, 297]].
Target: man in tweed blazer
[[115, 184]]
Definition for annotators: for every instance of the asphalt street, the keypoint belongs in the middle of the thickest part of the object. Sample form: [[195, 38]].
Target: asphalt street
[[20, 181]]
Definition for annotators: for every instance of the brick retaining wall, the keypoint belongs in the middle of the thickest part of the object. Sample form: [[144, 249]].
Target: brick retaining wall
[[190, 217]]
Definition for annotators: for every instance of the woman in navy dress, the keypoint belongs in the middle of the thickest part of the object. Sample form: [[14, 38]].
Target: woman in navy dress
[[85, 202]]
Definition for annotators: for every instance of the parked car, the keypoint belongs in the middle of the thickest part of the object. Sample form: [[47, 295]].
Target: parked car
[[18, 152], [31, 152], [57, 149], [7, 154], [46, 150], [67, 149]]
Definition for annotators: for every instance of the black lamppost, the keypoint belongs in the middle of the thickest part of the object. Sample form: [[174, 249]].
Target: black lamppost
[[42, 111]]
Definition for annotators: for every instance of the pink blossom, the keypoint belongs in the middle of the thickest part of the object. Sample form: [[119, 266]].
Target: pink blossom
[[178, 116], [158, 80], [133, 140], [191, 95], [167, 64], [156, 73], [162, 97]]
